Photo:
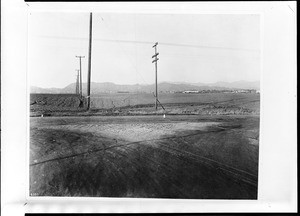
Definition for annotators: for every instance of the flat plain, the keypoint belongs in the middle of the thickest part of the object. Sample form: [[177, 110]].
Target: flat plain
[[201, 146]]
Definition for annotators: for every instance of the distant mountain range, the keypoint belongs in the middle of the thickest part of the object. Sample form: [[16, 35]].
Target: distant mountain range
[[108, 87]]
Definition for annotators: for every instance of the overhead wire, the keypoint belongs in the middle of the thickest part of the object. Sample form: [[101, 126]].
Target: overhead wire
[[131, 61], [161, 43]]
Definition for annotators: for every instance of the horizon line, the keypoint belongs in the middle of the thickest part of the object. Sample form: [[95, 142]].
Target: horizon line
[[178, 83]]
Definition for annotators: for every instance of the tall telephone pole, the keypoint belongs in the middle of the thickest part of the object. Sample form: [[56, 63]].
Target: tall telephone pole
[[89, 65], [80, 82], [77, 82], [155, 60]]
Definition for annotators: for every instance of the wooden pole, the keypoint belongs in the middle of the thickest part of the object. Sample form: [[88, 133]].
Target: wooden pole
[[80, 82], [77, 82], [156, 81], [155, 60], [89, 66], [80, 77]]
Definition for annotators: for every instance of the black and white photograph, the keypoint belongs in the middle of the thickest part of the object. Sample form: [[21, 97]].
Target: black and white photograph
[[144, 105], [148, 107]]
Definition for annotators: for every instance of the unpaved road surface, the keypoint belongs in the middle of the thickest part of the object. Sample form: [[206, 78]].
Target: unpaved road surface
[[145, 156]]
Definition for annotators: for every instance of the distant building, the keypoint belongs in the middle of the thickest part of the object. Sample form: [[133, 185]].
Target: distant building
[[240, 91], [188, 92]]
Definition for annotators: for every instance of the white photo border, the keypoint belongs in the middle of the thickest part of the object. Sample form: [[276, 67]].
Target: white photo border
[[277, 189]]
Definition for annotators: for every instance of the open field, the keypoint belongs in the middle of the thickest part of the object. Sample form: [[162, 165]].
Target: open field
[[142, 104], [123, 147], [180, 156]]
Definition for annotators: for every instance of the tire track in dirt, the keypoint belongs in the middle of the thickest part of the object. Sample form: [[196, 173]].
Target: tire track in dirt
[[162, 166], [179, 153], [238, 173], [182, 156], [214, 161], [141, 172], [120, 145], [82, 178]]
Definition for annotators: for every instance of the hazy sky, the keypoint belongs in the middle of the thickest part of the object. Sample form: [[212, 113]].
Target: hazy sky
[[192, 48]]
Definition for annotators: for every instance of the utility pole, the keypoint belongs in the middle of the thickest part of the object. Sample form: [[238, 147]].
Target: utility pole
[[155, 60], [89, 65], [80, 83], [77, 82]]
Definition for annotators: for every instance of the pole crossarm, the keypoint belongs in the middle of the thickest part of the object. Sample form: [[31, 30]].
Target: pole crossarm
[[155, 55], [155, 44], [155, 60]]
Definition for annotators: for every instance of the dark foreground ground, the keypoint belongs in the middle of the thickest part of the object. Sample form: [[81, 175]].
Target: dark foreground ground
[[200, 157]]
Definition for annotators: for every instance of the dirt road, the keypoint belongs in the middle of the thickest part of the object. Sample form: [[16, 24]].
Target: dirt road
[[145, 156]]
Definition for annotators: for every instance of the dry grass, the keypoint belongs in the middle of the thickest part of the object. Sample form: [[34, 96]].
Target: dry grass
[[142, 104]]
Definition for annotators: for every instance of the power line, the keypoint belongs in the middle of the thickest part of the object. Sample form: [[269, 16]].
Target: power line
[[161, 43], [131, 61]]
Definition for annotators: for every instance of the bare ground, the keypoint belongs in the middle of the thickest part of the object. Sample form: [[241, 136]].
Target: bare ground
[[142, 104], [142, 156]]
